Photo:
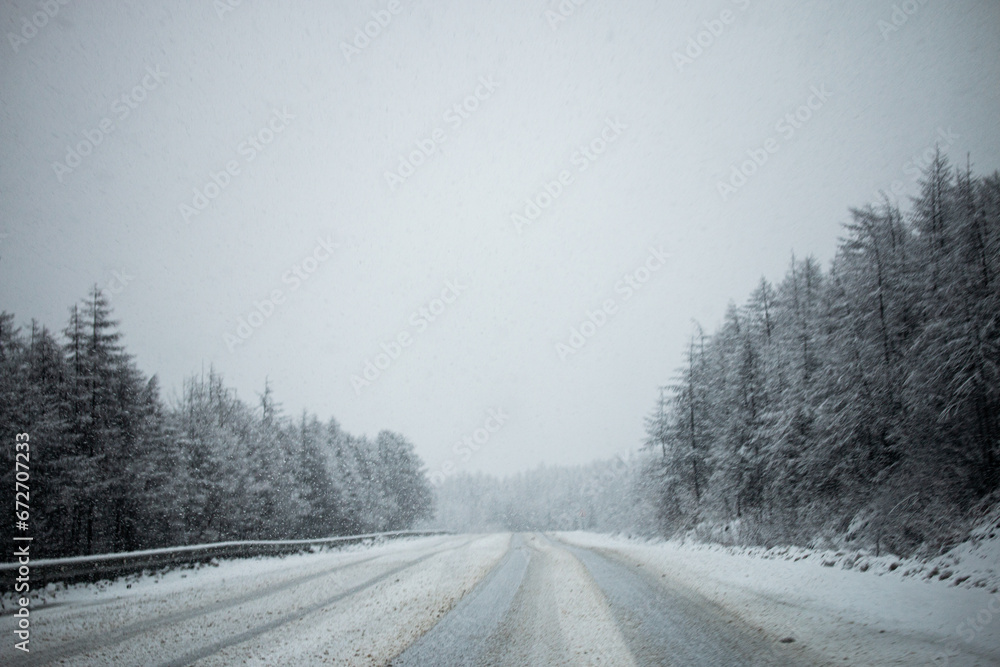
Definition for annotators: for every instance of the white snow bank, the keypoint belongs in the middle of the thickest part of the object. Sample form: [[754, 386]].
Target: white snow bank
[[975, 563]]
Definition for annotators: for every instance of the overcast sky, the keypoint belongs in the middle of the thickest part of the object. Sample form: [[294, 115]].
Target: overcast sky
[[115, 116]]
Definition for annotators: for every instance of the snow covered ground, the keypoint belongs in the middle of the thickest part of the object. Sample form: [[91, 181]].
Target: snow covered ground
[[569, 598], [358, 605], [974, 563], [539, 608], [848, 616]]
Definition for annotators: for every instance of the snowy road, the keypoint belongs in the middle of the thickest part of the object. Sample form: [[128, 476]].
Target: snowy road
[[457, 600], [549, 605]]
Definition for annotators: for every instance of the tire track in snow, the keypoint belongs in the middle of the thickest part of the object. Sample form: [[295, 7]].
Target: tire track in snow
[[559, 617], [461, 636], [539, 606], [375, 626], [664, 626], [215, 647]]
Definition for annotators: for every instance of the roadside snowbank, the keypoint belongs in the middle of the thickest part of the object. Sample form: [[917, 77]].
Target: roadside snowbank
[[974, 563]]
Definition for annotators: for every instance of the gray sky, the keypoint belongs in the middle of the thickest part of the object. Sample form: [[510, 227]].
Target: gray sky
[[329, 123]]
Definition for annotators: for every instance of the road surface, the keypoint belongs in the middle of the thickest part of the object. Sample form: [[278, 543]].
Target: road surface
[[524, 599]]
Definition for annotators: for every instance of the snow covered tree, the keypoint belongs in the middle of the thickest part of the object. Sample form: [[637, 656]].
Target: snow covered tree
[[862, 403]]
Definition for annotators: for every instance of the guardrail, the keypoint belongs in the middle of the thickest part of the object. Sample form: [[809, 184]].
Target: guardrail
[[110, 566]]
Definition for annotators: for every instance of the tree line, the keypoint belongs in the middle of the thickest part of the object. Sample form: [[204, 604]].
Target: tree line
[[860, 403], [599, 496], [113, 468]]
